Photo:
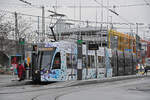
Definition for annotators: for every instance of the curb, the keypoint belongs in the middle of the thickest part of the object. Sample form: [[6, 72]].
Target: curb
[[79, 82], [16, 83], [112, 79], [96, 81]]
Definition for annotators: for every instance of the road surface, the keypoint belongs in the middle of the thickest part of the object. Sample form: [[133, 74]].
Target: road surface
[[132, 89], [138, 89]]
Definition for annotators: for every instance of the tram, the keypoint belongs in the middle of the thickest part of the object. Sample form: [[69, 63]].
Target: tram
[[123, 63], [57, 61]]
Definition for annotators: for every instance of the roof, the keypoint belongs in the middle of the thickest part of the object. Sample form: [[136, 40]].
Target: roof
[[84, 29]]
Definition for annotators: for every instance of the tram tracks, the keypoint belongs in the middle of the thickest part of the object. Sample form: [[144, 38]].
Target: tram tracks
[[54, 86], [55, 94], [31, 90], [38, 92], [64, 85], [55, 91]]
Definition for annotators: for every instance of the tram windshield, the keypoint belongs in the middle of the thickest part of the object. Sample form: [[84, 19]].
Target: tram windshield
[[45, 56]]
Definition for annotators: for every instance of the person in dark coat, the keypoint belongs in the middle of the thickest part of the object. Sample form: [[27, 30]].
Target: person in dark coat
[[145, 70], [21, 72]]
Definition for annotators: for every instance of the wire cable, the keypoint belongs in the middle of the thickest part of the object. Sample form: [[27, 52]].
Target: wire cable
[[115, 23], [147, 3], [112, 11], [30, 4]]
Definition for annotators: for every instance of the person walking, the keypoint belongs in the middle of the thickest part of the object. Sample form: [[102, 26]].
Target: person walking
[[145, 70], [137, 68], [21, 72]]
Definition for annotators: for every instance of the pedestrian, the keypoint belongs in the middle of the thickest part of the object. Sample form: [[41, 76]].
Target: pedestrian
[[137, 68], [25, 64], [145, 70], [21, 72]]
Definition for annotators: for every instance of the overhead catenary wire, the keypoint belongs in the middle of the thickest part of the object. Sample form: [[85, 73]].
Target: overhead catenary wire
[[74, 20], [71, 5], [107, 7], [147, 3], [81, 6], [132, 5], [89, 6], [30, 4], [76, 6], [117, 14]]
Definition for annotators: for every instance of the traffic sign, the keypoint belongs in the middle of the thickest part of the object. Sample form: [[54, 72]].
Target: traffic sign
[[79, 41], [21, 41]]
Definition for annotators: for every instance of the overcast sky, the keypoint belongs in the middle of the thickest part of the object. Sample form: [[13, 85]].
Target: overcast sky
[[135, 11]]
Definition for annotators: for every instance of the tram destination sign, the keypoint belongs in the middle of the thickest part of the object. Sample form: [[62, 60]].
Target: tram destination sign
[[46, 49], [93, 47]]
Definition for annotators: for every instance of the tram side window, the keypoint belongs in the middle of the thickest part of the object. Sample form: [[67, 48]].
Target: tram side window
[[57, 61], [71, 60], [101, 61], [83, 61], [74, 59], [68, 60], [91, 63]]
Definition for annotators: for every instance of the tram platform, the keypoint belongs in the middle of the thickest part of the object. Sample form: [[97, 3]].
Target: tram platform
[[9, 80], [109, 79]]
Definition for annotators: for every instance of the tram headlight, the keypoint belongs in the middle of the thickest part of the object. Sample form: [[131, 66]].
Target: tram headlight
[[36, 71], [47, 71]]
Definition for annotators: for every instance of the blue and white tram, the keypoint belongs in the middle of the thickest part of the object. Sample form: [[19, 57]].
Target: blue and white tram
[[57, 61]]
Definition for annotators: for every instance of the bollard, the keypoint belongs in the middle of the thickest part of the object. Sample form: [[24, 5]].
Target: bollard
[[27, 73]]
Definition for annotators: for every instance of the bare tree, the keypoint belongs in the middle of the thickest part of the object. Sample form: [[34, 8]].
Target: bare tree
[[7, 28], [23, 27]]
